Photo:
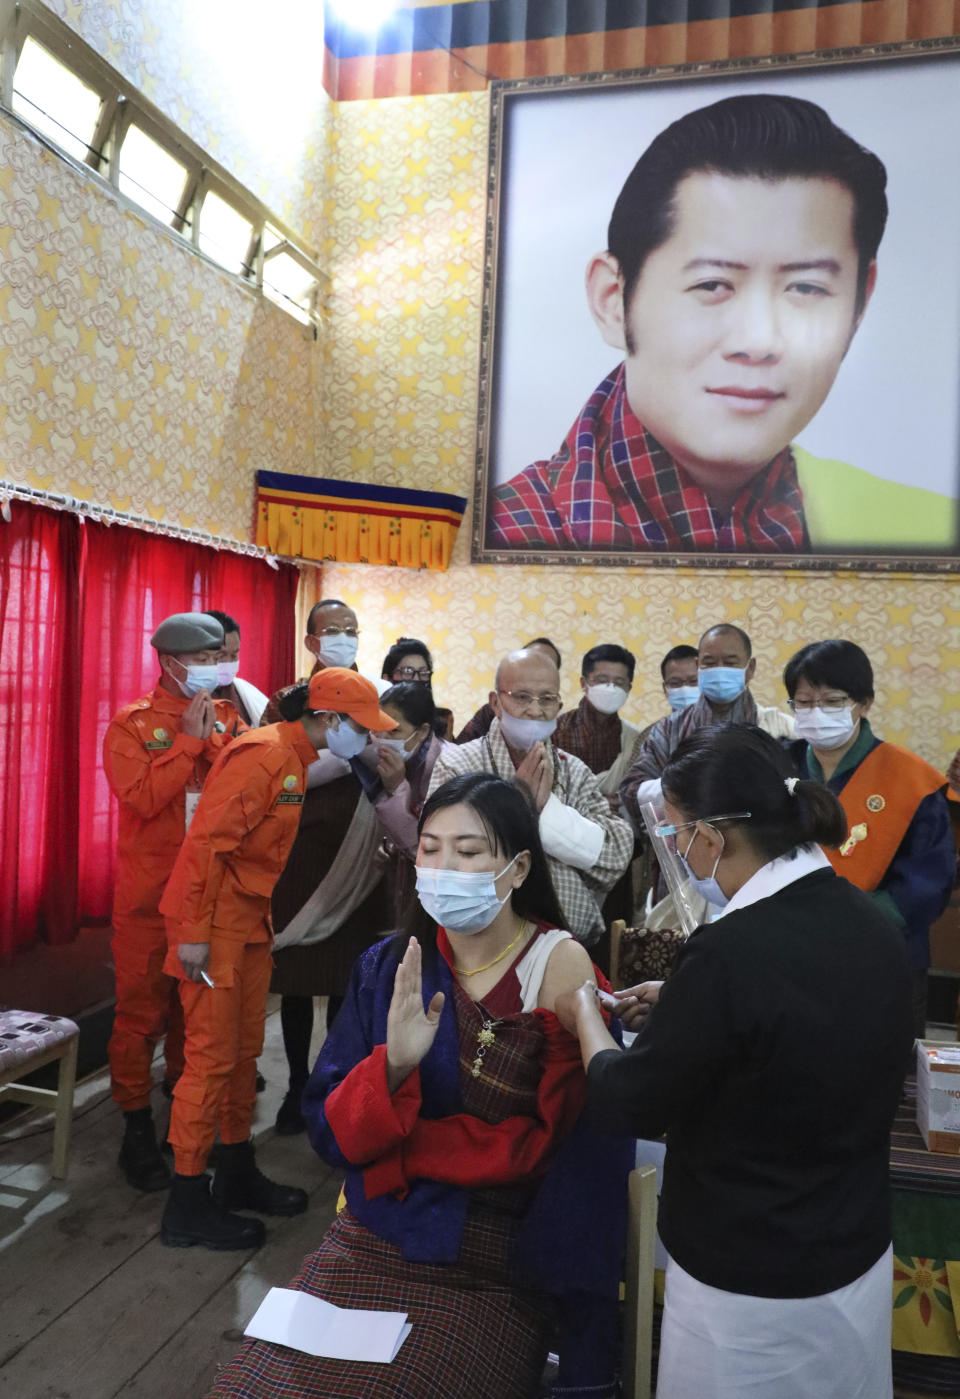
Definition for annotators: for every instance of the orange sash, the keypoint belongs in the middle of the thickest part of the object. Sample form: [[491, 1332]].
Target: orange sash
[[880, 800]]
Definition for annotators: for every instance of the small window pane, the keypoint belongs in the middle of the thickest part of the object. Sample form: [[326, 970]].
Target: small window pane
[[150, 175], [55, 101], [289, 285], [224, 234], [271, 238]]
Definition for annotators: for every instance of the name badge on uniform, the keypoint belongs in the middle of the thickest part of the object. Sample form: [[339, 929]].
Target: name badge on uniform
[[290, 799], [190, 807]]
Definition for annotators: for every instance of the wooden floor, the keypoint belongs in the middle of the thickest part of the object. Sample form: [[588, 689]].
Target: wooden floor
[[92, 1305]]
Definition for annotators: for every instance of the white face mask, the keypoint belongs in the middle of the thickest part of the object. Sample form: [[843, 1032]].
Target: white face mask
[[462, 901], [344, 741], [825, 731], [607, 699], [197, 678], [227, 672], [398, 746], [338, 649], [524, 733]]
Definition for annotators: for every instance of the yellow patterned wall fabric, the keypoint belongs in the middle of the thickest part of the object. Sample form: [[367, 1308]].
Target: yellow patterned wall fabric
[[405, 211], [132, 372]]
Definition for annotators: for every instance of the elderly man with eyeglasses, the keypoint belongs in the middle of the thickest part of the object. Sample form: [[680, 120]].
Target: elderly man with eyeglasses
[[587, 847]]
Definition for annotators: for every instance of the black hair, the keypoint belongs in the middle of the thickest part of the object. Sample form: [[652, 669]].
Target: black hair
[[763, 136], [725, 628], [413, 701], [324, 602], [510, 819], [543, 641], [843, 665], [404, 646], [292, 702], [738, 767], [226, 621], [679, 653], [607, 651]]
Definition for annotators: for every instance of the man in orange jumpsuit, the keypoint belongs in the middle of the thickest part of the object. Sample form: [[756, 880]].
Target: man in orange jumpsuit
[[156, 754], [217, 907]]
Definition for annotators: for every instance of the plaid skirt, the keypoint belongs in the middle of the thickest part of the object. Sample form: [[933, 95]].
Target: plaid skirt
[[476, 1333]]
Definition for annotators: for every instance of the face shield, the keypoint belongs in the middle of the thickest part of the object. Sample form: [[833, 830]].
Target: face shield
[[688, 902]]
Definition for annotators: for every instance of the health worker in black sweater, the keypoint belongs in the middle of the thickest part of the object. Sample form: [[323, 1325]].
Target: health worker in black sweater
[[773, 1059]]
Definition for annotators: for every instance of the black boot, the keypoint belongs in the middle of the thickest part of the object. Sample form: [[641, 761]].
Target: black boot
[[140, 1156], [240, 1185], [290, 1118], [192, 1216]]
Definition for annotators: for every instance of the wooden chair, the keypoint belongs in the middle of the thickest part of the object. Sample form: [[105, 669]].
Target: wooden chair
[[617, 929], [28, 1040], [638, 1302]]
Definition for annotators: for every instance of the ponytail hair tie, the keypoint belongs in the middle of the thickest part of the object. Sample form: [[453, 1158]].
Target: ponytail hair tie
[[791, 785]]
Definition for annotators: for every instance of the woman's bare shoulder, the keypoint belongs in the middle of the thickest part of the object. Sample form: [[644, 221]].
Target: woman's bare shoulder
[[568, 967]]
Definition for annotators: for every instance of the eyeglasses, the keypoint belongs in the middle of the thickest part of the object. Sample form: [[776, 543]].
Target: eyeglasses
[[830, 706], [678, 683], [407, 672], [610, 680], [525, 699], [668, 832], [339, 631]]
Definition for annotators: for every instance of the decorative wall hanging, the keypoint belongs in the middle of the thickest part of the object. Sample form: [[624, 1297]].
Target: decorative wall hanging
[[318, 518]]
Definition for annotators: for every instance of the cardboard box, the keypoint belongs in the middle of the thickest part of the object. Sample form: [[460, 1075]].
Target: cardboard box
[[938, 1095]]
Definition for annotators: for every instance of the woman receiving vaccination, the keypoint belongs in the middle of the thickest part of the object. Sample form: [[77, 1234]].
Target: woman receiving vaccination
[[450, 1096]]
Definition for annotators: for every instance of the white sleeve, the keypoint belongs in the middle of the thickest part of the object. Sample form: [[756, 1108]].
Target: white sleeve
[[648, 791], [327, 768], [568, 836]]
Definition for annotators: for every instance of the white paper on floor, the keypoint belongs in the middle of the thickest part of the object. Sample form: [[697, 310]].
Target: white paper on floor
[[316, 1327]]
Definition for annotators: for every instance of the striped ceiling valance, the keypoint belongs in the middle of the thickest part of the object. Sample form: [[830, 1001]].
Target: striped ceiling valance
[[317, 518]]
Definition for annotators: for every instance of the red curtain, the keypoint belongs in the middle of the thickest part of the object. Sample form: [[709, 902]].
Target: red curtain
[[78, 603]]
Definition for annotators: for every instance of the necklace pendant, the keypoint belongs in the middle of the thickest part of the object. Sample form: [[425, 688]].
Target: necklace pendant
[[477, 1065], [485, 1036]]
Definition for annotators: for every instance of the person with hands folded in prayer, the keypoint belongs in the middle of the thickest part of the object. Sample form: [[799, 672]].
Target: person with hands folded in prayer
[[773, 1059], [587, 846], [477, 1200]]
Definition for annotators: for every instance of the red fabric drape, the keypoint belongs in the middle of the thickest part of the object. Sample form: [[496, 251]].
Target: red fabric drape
[[78, 604]]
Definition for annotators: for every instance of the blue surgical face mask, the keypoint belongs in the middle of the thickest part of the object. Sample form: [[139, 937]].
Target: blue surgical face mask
[[707, 888], [683, 696], [197, 678], [338, 649], [345, 742], [227, 671], [462, 901], [722, 683]]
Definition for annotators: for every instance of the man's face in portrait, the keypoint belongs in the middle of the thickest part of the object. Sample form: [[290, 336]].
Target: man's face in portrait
[[739, 322]]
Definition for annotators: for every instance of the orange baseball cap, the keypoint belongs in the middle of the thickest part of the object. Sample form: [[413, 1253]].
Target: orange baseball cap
[[346, 692]]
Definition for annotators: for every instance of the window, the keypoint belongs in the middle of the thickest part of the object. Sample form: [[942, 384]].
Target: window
[[285, 280], [150, 175], [55, 101], [65, 90], [225, 234]]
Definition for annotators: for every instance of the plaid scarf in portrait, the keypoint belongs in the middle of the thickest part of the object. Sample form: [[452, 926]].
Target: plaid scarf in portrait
[[612, 486]]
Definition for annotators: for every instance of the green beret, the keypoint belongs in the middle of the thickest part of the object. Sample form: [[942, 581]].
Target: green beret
[[187, 631]]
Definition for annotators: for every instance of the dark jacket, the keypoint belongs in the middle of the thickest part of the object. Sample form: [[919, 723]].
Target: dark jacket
[[773, 1062]]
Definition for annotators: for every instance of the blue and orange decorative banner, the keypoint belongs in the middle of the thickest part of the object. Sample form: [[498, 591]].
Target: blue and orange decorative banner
[[312, 517], [429, 46]]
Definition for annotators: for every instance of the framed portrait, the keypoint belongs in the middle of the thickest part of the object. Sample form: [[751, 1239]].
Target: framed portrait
[[722, 316]]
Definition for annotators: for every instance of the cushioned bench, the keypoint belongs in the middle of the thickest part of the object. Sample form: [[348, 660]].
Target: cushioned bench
[[28, 1040]]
